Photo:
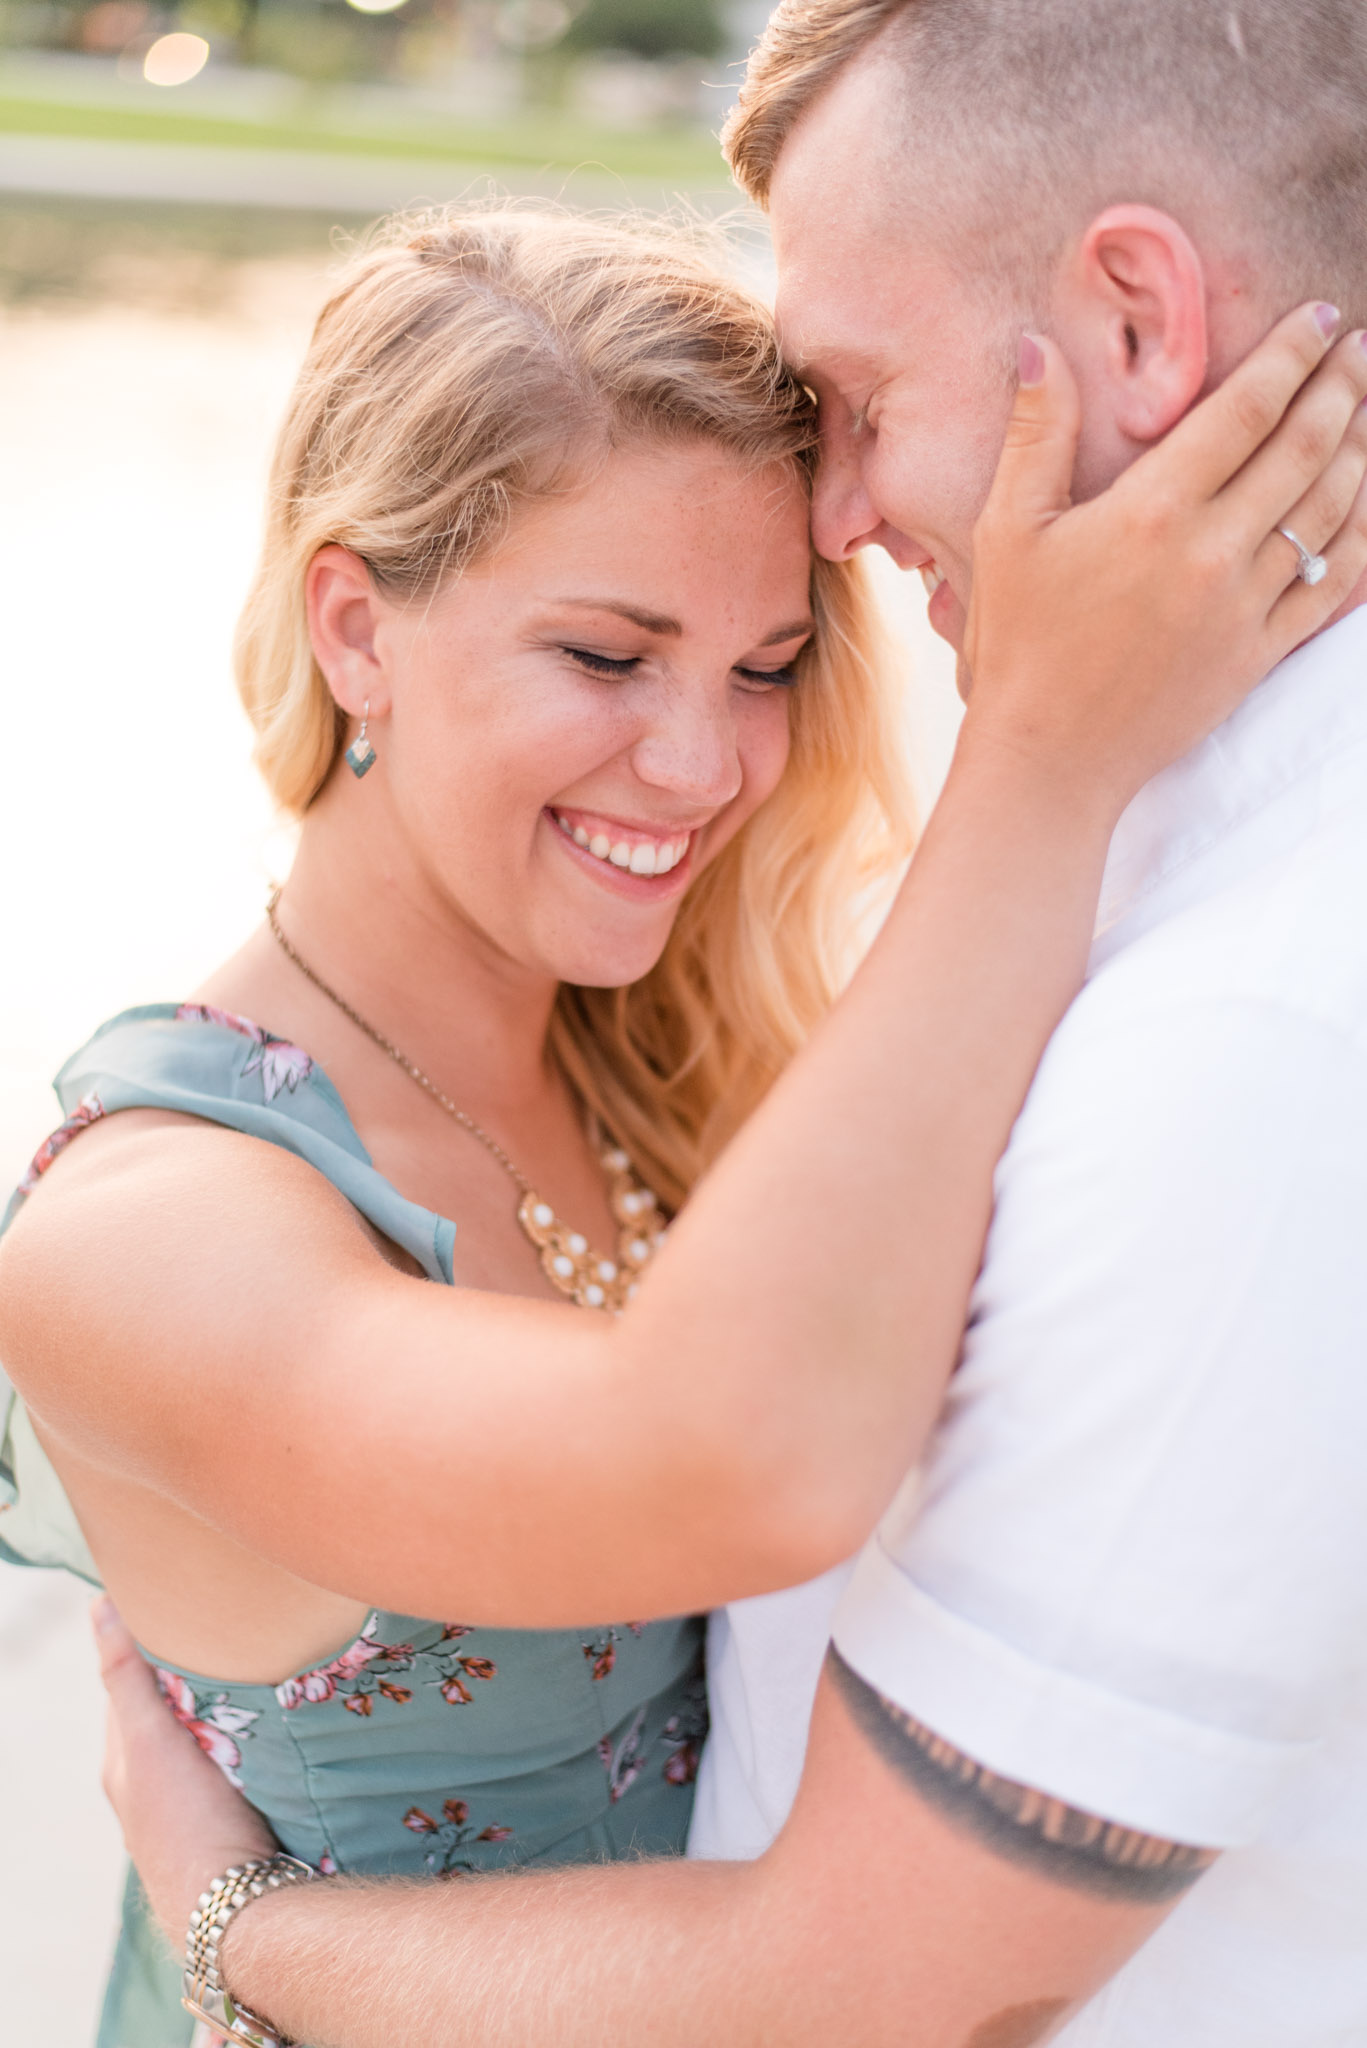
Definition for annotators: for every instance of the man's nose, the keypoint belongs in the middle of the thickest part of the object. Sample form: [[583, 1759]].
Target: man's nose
[[692, 748], [843, 516]]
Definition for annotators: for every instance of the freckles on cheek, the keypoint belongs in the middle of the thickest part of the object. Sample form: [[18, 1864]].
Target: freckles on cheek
[[584, 729], [765, 759]]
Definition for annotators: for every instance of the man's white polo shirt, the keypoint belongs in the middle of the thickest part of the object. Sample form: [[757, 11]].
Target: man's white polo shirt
[[1133, 1570]]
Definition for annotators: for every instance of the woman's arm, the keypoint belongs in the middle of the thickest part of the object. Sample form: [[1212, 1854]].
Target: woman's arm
[[746, 1421]]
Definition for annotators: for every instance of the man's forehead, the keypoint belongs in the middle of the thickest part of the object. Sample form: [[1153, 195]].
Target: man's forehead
[[853, 252], [847, 132], [819, 202], [816, 344], [842, 301], [832, 276]]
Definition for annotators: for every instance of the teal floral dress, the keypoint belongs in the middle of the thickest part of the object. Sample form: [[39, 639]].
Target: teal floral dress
[[425, 1746]]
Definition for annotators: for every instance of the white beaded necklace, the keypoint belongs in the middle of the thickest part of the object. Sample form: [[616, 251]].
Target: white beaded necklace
[[567, 1258]]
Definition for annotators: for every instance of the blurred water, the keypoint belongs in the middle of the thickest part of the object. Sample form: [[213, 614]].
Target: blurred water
[[132, 453], [141, 374]]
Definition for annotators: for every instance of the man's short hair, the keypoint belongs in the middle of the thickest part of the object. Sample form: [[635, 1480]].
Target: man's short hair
[[1044, 111]]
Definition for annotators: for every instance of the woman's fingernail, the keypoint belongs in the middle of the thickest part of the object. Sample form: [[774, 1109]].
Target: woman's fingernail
[[1031, 361], [104, 1614], [1362, 340], [1327, 318]]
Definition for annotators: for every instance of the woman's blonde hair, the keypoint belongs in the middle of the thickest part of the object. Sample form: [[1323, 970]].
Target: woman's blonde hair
[[469, 362]]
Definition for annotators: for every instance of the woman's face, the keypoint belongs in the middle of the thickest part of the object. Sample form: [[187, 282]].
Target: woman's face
[[569, 732]]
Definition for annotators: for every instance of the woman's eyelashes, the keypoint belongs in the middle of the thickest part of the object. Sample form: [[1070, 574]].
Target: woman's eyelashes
[[784, 677], [620, 668], [604, 664]]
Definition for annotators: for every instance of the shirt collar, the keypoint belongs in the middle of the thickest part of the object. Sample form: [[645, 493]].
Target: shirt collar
[[1311, 708]]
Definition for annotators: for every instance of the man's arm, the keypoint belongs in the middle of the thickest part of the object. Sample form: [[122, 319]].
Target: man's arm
[[1040, 1833], [913, 1900]]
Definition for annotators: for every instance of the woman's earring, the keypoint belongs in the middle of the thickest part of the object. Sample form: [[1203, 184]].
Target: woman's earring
[[360, 755]]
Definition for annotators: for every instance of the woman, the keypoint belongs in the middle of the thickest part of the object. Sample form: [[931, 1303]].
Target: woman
[[592, 759]]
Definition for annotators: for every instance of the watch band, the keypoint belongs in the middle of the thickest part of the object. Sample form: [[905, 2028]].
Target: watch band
[[204, 1993]]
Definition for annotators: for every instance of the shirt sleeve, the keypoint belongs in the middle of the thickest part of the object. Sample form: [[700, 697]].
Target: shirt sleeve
[[1133, 1572]]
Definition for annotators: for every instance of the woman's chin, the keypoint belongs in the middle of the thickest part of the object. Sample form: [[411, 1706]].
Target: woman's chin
[[601, 954], [608, 929], [608, 967]]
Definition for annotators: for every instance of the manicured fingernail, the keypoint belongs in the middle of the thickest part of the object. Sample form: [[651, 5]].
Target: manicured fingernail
[[1362, 340], [1327, 318], [104, 1614], [1031, 361]]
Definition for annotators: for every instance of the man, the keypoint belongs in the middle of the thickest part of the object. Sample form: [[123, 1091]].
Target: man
[[1117, 1633]]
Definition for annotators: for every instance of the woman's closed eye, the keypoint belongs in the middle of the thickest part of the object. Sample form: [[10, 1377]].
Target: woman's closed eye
[[604, 664], [784, 677], [620, 667]]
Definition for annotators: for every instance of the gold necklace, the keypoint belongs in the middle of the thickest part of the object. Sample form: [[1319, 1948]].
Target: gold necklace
[[567, 1258]]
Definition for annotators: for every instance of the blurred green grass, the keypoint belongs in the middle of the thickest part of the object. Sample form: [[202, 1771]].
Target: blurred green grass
[[536, 137]]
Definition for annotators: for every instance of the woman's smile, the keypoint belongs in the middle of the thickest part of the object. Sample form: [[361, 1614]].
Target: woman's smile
[[632, 859]]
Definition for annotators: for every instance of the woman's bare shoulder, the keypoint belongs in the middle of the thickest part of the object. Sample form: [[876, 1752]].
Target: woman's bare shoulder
[[145, 1219], [135, 1161]]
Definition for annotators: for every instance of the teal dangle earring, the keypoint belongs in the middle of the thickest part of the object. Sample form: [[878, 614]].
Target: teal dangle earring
[[360, 755]]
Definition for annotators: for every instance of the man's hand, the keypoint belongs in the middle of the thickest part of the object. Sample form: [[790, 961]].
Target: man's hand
[[913, 1901], [183, 1823]]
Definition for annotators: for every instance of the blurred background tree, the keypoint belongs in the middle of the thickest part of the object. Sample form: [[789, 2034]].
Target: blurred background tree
[[636, 86], [649, 28], [315, 36]]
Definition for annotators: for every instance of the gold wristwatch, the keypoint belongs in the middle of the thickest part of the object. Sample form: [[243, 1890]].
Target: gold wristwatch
[[204, 1993]]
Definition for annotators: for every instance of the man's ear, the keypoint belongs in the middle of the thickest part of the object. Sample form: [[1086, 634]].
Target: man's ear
[[343, 615], [1134, 291]]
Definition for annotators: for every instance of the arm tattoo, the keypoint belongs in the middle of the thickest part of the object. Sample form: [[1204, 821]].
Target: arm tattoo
[[1020, 2026], [1059, 1841]]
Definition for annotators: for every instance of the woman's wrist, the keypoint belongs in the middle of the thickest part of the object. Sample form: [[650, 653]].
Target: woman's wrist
[[1009, 772]]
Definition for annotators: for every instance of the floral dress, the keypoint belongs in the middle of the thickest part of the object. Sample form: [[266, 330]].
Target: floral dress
[[423, 1746]]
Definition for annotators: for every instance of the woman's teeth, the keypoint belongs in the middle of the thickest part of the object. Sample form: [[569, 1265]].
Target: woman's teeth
[[645, 857], [932, 576]]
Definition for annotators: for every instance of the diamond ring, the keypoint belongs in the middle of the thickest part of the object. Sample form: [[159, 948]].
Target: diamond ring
[[1310, 568]]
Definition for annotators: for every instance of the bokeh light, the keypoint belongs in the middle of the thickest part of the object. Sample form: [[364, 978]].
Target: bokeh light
[[375, 6], [532, 24], [175, 59]]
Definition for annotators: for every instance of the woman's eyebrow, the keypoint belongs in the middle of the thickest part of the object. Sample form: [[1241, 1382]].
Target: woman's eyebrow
[[649, 622], [660, 622]]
